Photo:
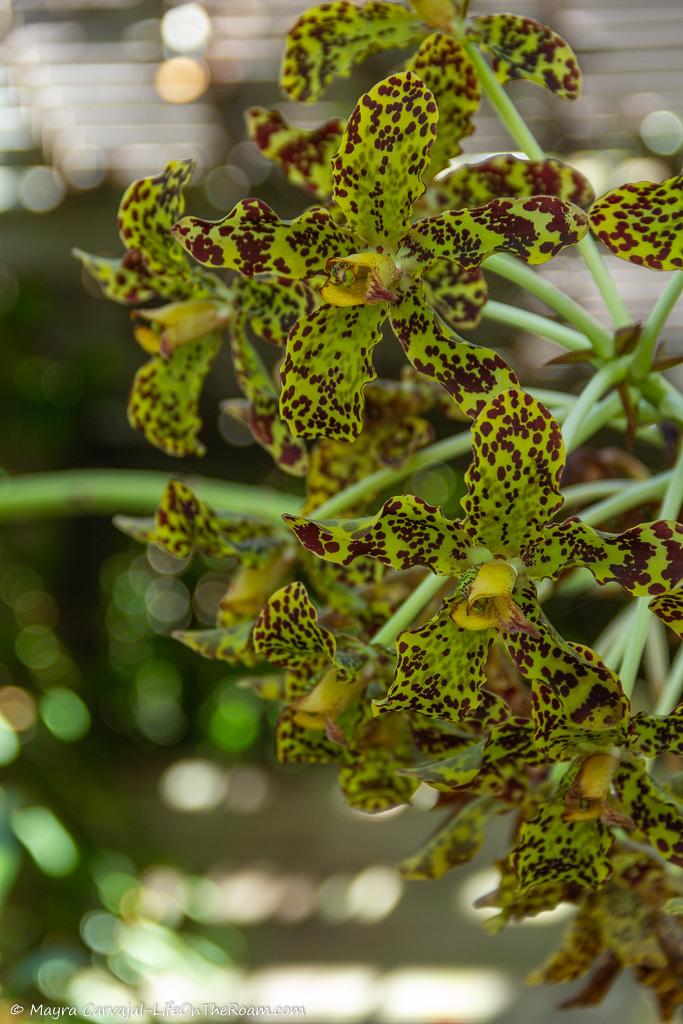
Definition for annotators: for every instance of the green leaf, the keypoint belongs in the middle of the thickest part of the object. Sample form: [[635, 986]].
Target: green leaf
[[458, 295], [304, 156], [455, 842], [448, 73], [164, 399], [534, 229], [327, 41], [253, 239], [523, 48], [469, 373], [646, 560], [384, 153], [504, 176], [440, 669], [550, 849], [657, 734], [642, 222], [407, 531], [327, 366], [513, 480], [260, 410], [657, 819], [125, 280], [288, 633]]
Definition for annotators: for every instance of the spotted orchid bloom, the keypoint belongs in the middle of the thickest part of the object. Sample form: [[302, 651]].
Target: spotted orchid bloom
[[633, 922], [642, 222], [326, 715], [183, 335], [459, 295], [184, 524], [328, 40], [371, 266], [505, 542], [566, 837]]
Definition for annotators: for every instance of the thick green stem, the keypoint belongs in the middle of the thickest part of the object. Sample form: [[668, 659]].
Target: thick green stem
[[518, 272], [511, 316], [643, 355], [411, 607], [585, 404], [84, 492], [525, 139]]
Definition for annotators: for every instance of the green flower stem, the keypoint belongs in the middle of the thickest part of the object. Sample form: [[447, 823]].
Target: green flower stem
[[441, 451], [503, 105], [670, 509], [578, 494], [517, 272], [626, 498], [639, 629], [411, 607], [585, 405], [105, 491], [671, 402], [525, 139], [671, 694], [511, 316], [645, 349]]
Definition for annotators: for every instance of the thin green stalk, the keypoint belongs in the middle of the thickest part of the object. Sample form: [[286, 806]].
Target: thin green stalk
[[441, 451], [517, 272], [657, 660], [525, 139], [602, 415], [503, 105], [577, 494], [645, 349], [670, 508], [596, 387], [511, 316], [411, 607], [628, 497], [593, 259], [637, 639], [85, 492], [671, 694], [555, 399]]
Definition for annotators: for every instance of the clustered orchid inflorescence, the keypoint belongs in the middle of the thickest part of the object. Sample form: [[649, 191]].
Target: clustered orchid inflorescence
[[482, 698]]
